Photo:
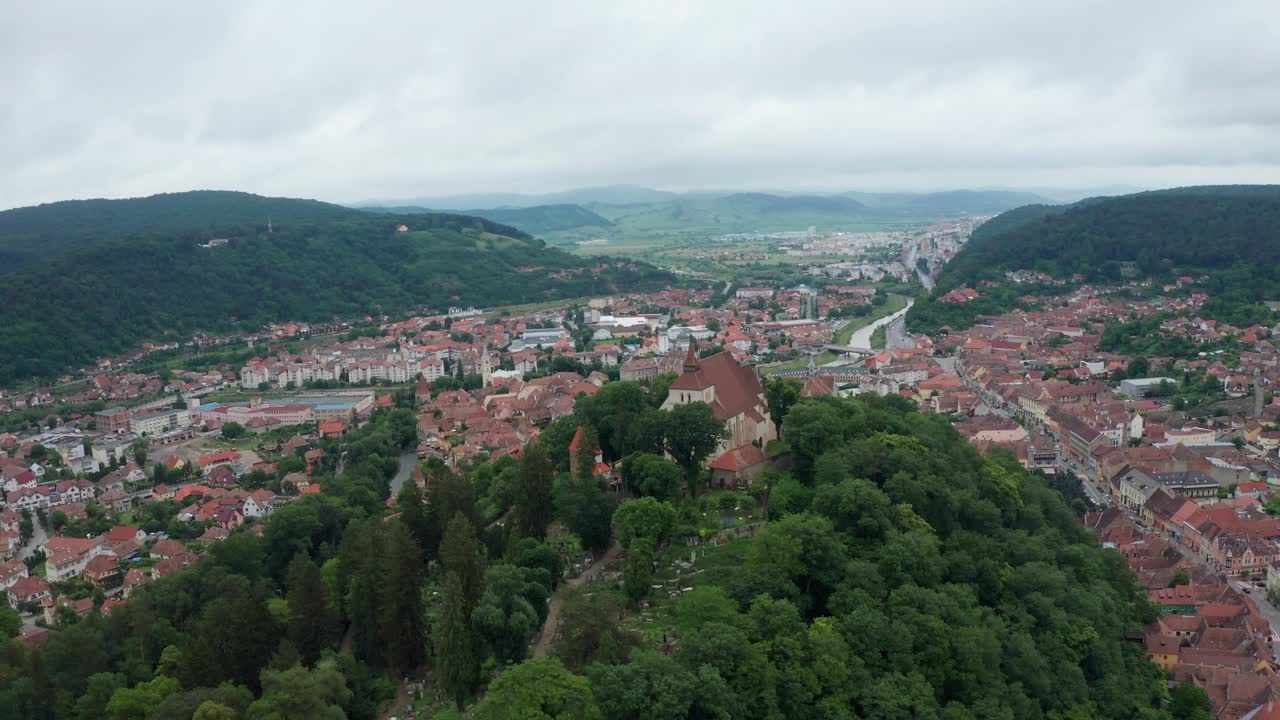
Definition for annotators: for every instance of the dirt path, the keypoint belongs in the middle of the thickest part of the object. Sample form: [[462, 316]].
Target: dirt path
[[552, 624]]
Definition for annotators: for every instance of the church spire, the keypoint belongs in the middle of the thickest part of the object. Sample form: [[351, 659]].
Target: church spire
[[691, 363]]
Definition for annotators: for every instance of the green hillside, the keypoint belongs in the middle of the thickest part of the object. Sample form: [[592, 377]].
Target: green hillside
[[535, 220], [950, 202], [737, 213], [541, 219], [31, 234], [1231, 233], [112, 295]]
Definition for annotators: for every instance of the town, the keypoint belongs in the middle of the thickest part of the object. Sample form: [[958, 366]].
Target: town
[[1172, 460]]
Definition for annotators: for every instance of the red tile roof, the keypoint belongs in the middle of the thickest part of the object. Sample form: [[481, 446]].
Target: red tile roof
[[739, 458], [738, 390]]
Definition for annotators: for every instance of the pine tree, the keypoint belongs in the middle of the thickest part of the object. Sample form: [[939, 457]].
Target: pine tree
[[448, 493], [400, 612], [359, 576], [413, 513], [454, 645], [462, 554], [313, 623], [534, 505]]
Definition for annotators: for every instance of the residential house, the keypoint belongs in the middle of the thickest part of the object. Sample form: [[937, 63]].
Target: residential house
[[28, 590]]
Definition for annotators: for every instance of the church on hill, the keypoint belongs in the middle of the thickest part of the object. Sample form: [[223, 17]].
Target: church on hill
[[734, 393]]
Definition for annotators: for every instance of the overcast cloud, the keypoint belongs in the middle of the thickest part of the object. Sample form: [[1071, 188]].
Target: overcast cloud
[[350, 101]]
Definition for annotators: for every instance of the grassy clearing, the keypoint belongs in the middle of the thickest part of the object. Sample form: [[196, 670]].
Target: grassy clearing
[[713, 565]]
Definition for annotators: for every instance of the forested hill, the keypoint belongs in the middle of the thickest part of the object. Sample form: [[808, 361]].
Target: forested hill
[[1231, 233], [1195, 228], [902, 576], [163, 285], [31, 234]]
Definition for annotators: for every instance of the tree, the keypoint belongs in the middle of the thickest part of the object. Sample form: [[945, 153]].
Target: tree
[[216, 702], [590, 630], [1190, 702], [693, 432], [10, 622], [638, 573], [448, 493], [211, 710], [1138, 368], [300, 693], [651, 685], [229, 640], [401, 622], [232, 430], [507, 613], [586, 508], [540, 689], [138, 702], [413, 512], [534, 504], [139, 448], [313, 623], [101, 687], [454, 646], [781, 394], [359, 578], [462, 554], [643, 518], [703, 605], [651, 475]]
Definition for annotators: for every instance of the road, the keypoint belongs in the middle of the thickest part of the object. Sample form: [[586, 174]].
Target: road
[[38, 537], [913, 258]]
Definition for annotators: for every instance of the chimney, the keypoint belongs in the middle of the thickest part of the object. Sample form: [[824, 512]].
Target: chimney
[[691, 363]]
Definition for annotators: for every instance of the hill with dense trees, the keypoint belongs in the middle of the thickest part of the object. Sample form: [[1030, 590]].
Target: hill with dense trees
[[1231, 233], [318, 262], [901, 575], [30, 235]]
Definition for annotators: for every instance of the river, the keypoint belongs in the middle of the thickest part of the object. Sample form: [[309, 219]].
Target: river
[[862, 336], [407, 462]]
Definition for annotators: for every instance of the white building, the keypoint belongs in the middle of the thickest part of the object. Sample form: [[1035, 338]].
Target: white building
[[161, 422]]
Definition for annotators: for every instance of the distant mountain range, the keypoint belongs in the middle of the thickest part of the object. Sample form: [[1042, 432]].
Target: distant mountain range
[[536, 219], [110, 274], [626, 209], [607, 194]]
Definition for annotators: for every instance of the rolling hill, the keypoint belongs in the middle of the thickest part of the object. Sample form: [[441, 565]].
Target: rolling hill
[[622, 211], [31, 234], [605, 194], [535, 219], [1231, 233], [158, 284], [951, 202]]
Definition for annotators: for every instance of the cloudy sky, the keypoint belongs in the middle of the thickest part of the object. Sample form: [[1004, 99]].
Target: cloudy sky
[[350, 101]]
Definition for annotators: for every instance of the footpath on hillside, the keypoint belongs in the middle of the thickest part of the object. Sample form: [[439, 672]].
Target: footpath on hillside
[[552, 625]]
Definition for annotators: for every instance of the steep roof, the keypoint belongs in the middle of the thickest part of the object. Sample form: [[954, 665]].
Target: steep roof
[[738, 390]]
